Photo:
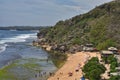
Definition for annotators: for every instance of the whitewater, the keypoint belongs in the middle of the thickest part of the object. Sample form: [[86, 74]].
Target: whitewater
[[16, 51]]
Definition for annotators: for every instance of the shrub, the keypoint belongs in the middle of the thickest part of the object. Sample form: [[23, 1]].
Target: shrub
[[93, 69]]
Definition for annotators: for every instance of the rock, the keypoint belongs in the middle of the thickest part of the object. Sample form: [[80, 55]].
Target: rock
[[75, 48], [34, 43], [54, 47]]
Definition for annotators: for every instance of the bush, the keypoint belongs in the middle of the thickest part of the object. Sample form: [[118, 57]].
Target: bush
[[76, 41], [93, 69], [105, 44], [113, 61], [115, 78]]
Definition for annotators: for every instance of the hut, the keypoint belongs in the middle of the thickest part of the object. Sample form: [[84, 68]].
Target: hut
[[115, 74], [113, 49], [88, 47], [106, 53], [117, 68], [118, 59]]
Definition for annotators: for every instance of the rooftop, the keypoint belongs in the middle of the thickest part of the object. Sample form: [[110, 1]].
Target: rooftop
[[106, 52], [118, 68], [115, 73], [112, 48]]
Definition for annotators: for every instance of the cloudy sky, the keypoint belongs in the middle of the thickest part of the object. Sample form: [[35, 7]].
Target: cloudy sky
[[42, 12]]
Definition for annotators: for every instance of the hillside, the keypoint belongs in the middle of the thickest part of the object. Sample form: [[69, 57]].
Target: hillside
[[100, 26]]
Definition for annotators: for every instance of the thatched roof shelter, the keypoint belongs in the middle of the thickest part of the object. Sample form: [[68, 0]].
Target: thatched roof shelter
[[115, 73], [105, 52], [112, 49], [117, 68], [88, 47]]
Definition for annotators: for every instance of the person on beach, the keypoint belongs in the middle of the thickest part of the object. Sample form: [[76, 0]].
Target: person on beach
[[40, 75], [61, 73], [50, 73], [35, 75], [58, 78], [77, 69], [70, 73]]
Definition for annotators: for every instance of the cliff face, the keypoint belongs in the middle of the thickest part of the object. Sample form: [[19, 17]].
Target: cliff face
[[100, 26]]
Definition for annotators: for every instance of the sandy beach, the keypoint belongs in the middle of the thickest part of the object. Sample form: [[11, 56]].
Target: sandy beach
[[74, 62]]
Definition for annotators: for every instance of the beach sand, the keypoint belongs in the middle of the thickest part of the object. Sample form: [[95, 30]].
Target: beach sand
[[74, 61]]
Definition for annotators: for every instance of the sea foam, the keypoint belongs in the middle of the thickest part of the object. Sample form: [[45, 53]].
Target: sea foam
[[19, 38], [3, 47], [14, 39]]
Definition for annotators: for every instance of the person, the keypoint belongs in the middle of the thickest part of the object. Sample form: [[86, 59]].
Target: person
[[58, 78], [77, 69], [35, 75], [70, 73], [40, 74], [50, 73], [61, 73]]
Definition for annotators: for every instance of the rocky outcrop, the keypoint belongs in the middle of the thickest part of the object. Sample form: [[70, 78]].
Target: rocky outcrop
[[75, 48], [60, 48]]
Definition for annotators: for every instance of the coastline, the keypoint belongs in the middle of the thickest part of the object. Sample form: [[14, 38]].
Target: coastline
[[57, 58], [71, 64]]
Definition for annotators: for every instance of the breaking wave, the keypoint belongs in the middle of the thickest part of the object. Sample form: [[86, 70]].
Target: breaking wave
[[14, 39]]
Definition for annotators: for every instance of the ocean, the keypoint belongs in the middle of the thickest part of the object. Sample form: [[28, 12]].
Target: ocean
[[19, 60]]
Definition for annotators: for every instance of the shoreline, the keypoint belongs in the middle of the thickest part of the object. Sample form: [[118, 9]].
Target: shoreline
[[73, 61], [76, 59], [71, 65]]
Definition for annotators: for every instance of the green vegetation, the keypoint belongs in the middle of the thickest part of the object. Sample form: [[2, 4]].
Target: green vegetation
[[100, 26], [107, 43], [58, 58], [22, 28], [93, 69], [111, 60], [30, 66], [115, 78], [5, 74], [9, 72]]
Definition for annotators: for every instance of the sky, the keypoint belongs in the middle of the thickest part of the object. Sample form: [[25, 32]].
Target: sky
[[42, 12]]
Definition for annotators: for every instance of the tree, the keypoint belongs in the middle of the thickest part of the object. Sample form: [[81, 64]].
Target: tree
[[93, 69]]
